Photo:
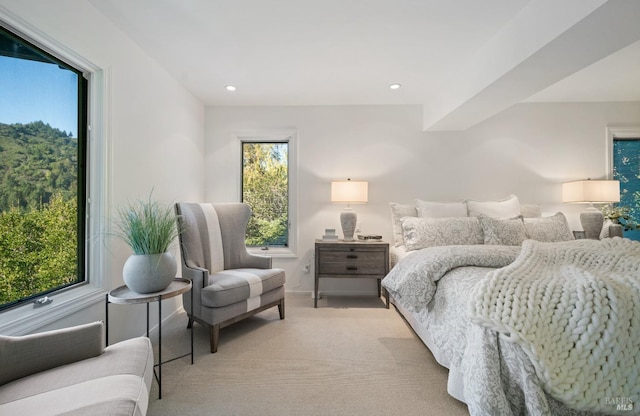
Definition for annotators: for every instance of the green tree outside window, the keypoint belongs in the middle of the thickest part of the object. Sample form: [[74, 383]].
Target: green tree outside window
[[265, 188]]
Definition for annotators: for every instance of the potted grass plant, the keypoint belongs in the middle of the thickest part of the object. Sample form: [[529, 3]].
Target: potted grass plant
[[149, 228]]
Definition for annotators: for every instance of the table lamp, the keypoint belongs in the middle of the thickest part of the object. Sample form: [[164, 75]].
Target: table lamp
[[349, 192], [591, 192]]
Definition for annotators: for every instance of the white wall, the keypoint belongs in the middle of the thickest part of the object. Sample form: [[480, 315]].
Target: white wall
[[159, 134], [154, 126], [528, 150]]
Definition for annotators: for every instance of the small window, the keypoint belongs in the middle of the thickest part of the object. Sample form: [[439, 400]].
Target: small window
[[43, 126], [265, 188], [626, 169]]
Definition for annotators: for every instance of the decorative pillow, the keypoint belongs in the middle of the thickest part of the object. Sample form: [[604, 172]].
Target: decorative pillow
[[505, 208], [605, 232], [399, 211], [430, 232], [30, 354], [428, 209], [503, 232], [548, 229]]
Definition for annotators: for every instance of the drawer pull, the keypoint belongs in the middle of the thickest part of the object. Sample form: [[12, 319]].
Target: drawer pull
[[351, 268], [352, 256]]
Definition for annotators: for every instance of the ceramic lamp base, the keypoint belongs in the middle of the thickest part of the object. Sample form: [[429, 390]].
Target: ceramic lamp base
[[592, 221], [348, 220]]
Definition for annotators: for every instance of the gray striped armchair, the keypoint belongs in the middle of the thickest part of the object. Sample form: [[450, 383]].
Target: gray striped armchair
[[229, 283]]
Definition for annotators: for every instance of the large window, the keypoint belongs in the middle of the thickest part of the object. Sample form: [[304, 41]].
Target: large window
[[626, 168], [43, 128], [265, 188]]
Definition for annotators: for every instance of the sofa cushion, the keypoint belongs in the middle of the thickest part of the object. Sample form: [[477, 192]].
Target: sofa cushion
[[123, 394], [131, 357], [236, 285], [29, 354]]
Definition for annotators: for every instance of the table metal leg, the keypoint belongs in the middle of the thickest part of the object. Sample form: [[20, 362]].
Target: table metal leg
[[147, 319], [106, 318], [160, 349], [191, 327], [148, 299]]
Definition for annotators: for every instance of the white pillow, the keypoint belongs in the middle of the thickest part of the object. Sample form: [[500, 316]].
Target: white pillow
[[548, 229], [505, 208], [503, 232], [399, 211], [530, 211], [430, 232], [604, 233], [428, 209]]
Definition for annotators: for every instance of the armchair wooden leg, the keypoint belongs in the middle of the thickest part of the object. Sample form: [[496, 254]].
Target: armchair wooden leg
[[214, 336], [281, 308]]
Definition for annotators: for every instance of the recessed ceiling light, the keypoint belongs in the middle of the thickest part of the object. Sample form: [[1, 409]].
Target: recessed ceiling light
[[395, 86], [230, 88]]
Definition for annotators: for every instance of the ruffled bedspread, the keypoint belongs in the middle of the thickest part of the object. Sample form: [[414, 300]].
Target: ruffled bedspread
[[574, 308], [413, 280]]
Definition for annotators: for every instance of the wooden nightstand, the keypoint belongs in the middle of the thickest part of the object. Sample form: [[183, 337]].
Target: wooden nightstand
[[351, 259]]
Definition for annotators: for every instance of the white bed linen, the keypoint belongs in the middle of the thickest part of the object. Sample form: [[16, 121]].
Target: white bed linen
[[486, 371], [396, 253]]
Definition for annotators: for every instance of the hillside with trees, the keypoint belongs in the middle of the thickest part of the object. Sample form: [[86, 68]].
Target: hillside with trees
[[38, 210], [36, 162]]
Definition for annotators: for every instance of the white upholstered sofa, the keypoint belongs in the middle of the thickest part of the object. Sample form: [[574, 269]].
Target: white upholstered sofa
[[68, 371]]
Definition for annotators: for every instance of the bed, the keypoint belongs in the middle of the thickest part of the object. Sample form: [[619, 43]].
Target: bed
[[481, 284]]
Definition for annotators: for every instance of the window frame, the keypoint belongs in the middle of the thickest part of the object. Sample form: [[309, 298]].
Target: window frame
[[275, 136], [617, 133], [24, 318], [82, 108], [614, 134]]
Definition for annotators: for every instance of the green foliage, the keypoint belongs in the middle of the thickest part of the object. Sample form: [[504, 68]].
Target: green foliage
[[37, 249], [626, 169], [620, 215], [37, 162], [265, 189], [38, 210], [148, 227]]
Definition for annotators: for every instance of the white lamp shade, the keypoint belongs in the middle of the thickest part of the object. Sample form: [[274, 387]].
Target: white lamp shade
[[350, 192], [590, 191]]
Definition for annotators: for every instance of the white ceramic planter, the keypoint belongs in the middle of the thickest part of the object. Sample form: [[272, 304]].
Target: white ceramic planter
[[148, 273]]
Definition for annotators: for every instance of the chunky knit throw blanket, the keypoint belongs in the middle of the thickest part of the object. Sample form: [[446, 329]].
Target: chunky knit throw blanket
[[574, 307]]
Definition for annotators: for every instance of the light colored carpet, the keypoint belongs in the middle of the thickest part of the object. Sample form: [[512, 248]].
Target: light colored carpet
[[351, 356]]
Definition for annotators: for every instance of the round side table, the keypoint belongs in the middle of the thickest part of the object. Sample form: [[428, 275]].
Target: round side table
[[124, 295]]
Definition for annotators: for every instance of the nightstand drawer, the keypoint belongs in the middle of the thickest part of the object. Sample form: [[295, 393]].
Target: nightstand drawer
[[356, 262], [356, 269]]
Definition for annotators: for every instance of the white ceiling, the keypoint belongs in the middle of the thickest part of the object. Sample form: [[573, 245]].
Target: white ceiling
[[463, 60]]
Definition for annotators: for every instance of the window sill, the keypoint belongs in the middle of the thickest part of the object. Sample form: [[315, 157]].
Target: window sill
[[27, 319], [273, 252]]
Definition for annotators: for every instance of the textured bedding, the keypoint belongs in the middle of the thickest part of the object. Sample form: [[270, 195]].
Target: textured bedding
[[488, 371], [413, 280], [571, 307]]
